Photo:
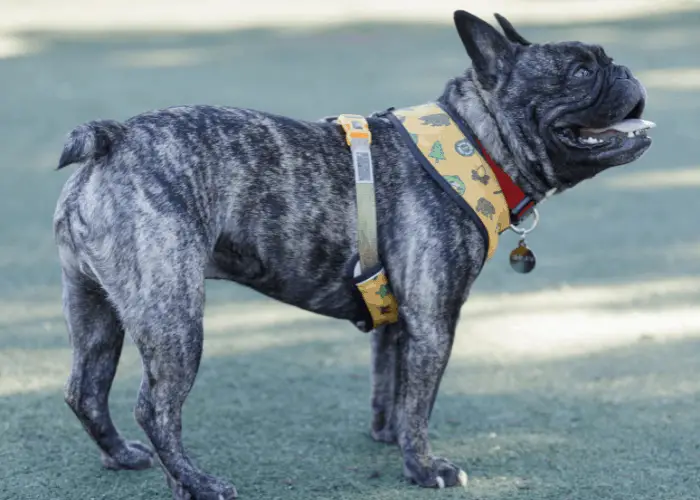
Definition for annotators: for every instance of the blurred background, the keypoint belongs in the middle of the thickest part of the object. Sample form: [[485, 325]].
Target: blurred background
[[578, 381]]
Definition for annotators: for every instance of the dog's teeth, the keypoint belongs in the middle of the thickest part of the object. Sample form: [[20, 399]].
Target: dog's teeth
[[440, 482], [631, 134], [590, 140], [462, 478]]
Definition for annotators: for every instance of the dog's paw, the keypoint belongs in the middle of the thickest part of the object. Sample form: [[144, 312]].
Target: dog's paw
[[382, 429], [208, 488], [385, 435], [132, 455], [434, 472]]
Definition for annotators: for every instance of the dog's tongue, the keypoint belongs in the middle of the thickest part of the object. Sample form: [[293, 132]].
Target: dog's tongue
[[625, 126]]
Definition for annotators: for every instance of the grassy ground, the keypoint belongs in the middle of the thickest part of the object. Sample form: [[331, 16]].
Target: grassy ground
[[577, 382]]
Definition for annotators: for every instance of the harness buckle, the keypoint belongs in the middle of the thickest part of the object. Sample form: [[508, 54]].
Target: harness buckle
[[355, 127]]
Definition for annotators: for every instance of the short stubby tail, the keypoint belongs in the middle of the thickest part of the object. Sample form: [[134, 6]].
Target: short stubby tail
[[90, 141]]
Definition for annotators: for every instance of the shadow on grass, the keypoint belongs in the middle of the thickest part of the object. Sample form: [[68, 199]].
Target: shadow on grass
[[291, 421]]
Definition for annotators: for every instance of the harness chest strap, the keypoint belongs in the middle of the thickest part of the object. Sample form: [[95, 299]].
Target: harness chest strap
[[371, 280], [449, 155]]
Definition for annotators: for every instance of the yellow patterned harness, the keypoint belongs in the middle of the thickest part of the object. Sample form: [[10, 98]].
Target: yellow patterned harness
[[452, 160]]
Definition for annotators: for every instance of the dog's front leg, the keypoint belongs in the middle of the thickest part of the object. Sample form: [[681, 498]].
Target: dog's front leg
[[424, 348], [384, 371]]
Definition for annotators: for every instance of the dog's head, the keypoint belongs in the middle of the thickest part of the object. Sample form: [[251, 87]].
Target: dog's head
[[568, 101]]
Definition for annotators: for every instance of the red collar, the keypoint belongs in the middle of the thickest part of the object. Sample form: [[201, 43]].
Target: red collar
[[518, 202]]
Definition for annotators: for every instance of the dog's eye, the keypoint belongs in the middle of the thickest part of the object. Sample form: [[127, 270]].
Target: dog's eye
[[582, 72]]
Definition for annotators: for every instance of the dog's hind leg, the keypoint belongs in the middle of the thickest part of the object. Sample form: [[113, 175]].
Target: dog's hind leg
[[97, 336], [165, 320]]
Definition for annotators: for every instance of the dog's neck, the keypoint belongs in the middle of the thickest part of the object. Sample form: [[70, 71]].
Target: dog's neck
[[523, 165]]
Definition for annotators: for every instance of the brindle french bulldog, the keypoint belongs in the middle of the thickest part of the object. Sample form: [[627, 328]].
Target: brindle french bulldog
[[169, 198]]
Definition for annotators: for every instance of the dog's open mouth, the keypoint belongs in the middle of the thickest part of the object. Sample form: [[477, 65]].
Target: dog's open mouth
[[632, 127], [626, 129]]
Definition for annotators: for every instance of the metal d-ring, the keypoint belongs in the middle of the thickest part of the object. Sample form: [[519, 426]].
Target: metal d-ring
[[523, 232]]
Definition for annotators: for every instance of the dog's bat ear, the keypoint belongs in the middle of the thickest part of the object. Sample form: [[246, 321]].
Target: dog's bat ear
[[509, 30], [491, 53]]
